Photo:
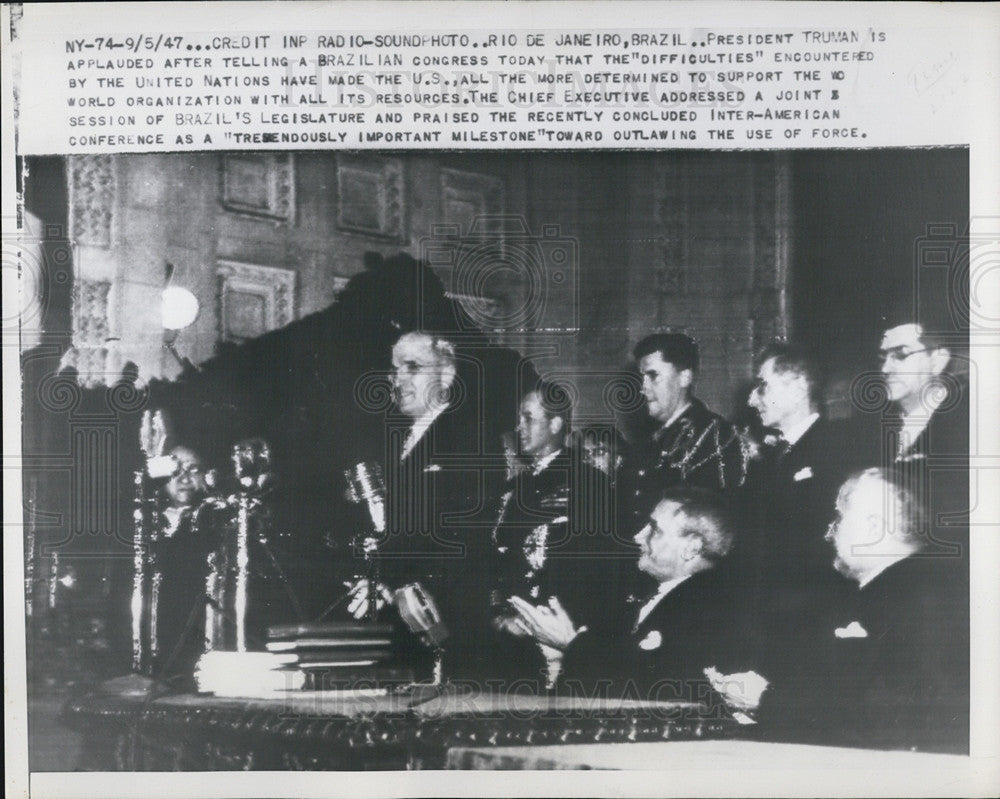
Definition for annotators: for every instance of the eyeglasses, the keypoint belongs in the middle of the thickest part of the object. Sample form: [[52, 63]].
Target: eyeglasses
[[189, 469], [898, 354]]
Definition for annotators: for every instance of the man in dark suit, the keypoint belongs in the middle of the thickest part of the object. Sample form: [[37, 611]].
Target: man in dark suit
[[555, 534], [433, 476], [893, 670], [915, 365], [693, 446], [693, 621], [925, 429], [791, 487]]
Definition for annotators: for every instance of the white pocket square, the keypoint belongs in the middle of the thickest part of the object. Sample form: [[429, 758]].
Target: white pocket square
[[852, 630], [652, 640], [803, 474], [434, 467]]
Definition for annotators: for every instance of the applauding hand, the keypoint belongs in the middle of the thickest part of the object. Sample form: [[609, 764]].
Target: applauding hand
[[741, 691], [358, 607], [153, 433], [548, 624]]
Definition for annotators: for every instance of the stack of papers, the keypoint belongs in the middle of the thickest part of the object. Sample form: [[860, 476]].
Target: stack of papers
[[247, 674]]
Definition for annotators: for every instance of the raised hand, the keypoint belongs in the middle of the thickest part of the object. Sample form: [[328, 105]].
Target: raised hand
[[511, 625], [358, 606], [153, 433], [548, 624], [741, 691]]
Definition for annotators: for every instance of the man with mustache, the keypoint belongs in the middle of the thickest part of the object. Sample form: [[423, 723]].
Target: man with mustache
[[433, 467]]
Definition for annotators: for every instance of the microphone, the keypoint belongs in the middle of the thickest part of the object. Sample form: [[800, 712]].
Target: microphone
[[417, 609], [365, 484], [252, 464]]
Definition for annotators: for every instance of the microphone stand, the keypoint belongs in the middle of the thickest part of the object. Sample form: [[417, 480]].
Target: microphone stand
[[140, 655], [364, 482], [251, 466], [421, 615], [139, 682], [372, 571]]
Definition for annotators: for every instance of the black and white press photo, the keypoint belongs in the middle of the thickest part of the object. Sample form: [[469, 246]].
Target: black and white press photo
[[670, 442], [395, 400]]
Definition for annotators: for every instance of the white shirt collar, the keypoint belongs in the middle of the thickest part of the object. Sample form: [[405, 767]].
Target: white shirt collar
[[664, 589], [543, 464], [419, 428], [910, 431], [793, 434]]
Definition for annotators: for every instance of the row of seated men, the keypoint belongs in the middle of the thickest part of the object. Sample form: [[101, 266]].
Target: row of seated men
[[796, 577]]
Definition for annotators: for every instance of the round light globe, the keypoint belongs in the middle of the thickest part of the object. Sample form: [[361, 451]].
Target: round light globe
[[179, 308]]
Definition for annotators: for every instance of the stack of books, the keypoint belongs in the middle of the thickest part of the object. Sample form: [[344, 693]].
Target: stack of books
[[338, 655], [331, 644]]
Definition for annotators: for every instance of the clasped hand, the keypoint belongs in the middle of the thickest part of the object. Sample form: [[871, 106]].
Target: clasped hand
[[153, 433], [358, 606], [549, 624], [741, 691]]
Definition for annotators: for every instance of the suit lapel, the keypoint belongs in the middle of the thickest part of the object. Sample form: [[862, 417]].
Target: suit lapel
[[662, 617], [802, 455]]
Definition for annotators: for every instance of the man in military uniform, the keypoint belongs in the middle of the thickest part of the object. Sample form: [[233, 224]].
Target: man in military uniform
[[555, 535], [693, 446]]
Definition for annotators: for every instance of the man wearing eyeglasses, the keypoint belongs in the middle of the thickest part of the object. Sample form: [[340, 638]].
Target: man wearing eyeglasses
[[933, 407], [433, 474], [925, 430]]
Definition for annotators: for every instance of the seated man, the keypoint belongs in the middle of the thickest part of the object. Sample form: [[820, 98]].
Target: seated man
[[894, 672], [694, 620]]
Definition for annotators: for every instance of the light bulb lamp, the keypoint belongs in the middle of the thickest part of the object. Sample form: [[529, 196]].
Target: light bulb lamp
[[178, 310]]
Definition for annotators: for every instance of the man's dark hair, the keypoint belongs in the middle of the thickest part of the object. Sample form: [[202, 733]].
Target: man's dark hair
[[555, 400], [935, 340], [674, 348], [799, 360], [707, 516], [937, 329]]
